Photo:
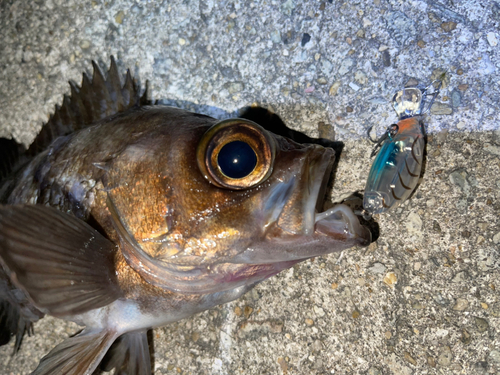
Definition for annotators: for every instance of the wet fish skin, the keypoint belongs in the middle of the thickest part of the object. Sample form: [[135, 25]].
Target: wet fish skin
[[114, 226]]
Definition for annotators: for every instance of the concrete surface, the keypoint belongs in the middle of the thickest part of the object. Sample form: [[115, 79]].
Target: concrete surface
[[423, 299]]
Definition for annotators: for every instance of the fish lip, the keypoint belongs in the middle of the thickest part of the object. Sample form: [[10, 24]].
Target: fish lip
[[320, 169]]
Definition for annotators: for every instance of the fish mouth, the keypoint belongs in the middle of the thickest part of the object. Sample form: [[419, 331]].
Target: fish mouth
[[341, 220], [338, 223]]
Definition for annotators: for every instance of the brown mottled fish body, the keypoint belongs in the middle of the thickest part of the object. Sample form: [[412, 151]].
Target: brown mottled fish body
[[125, 216]]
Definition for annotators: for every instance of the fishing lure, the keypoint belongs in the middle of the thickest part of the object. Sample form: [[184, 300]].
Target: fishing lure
[[395, 172]]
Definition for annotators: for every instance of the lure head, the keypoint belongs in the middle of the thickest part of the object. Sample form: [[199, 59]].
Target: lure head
[[408, 102], [412, 101]]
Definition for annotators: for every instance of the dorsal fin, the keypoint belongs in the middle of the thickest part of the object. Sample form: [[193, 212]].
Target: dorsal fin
[[92, 101]]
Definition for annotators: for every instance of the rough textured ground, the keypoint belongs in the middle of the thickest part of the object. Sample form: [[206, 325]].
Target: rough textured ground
[[423, 299]]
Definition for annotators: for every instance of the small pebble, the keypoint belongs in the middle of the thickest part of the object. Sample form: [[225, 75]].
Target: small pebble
[[237, 311], [411, 82], [456, 98], [334, 88], [449, 26], [390, 278], [326, 130], [463, 275], [119, 17], [441, 300], [275, 36], [461, 304], [84, 44], [247, 311], [445, 356], [466, 338], [319, 311], [463, 87], [373, 371], [283, 365], [287, 7], [481, 324], [441, 109], [353, 86], [309, 322], [496, 238], [494, 356], [234, 87], [492, 39], [377, 268], [421, 44], [459, 178], [345, 66], [410, 359], [431, 361], [360, 77]]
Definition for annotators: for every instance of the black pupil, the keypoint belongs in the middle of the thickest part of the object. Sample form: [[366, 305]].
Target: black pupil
[[237, 159]]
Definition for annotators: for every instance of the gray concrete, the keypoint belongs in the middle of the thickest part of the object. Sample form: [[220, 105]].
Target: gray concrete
[[423, 299]]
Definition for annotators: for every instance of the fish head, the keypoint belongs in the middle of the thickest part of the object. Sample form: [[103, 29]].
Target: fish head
[[203, 209]]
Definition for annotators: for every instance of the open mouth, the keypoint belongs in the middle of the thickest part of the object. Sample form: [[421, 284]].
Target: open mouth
[[341, 221], [338, 222]]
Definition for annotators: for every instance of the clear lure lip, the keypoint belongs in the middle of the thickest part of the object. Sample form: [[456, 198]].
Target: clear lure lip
[[340, 220]]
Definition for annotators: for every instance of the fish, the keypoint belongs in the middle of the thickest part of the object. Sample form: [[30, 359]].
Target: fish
[[124, 215], [396, 170]]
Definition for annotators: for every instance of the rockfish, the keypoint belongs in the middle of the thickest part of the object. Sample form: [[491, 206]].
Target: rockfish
[[124, 216]]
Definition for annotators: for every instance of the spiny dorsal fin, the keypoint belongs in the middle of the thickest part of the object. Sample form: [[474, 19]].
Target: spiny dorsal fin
[[94, 100]]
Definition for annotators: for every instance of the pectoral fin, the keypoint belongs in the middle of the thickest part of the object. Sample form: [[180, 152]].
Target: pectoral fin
[[65, 266], [78, 355], [129, 355]]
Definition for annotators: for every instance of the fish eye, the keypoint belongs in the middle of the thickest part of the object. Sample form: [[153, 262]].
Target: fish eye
[[236, 154], [236, 159]]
